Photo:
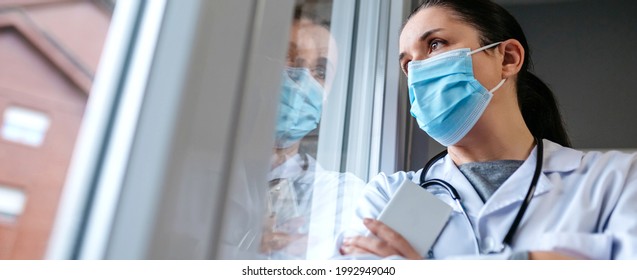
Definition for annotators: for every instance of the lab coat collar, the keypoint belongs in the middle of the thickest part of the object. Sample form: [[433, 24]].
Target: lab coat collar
[[468, 195], [556, 159], [560, 159]]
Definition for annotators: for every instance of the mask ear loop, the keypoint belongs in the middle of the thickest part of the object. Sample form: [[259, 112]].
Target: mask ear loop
[[498, 86], [484, 48]]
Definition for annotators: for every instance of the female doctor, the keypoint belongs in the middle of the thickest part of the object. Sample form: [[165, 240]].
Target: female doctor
[[524, 194]]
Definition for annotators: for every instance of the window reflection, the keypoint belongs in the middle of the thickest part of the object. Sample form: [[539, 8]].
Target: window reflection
[[306, 204]]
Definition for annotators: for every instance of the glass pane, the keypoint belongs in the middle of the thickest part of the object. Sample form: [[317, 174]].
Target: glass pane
[[307, 203], [49, 51]]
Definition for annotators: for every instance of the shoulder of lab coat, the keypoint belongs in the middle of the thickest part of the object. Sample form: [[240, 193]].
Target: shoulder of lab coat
[[586, 210], [607, 186]]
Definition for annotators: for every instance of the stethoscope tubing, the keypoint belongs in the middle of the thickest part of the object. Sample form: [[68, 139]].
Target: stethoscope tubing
[[456, 197]]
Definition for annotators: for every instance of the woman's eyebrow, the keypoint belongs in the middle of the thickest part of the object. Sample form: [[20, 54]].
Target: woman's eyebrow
[[425, 35], [422, 37]]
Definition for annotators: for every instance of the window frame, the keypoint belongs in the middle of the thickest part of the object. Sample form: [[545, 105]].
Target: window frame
[[155, 145]]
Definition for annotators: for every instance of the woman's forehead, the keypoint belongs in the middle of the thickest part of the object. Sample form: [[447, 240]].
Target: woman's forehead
[[433, 18], [310, 37], [312, 41]]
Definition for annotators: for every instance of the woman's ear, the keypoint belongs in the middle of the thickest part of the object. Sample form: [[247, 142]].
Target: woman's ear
[[513, 57]]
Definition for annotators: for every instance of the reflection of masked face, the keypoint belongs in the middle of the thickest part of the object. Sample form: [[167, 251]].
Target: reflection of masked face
[[300, 108]]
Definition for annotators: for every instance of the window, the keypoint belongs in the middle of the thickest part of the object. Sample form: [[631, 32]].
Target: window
[[49, 52], [12, 202], [25, 126], [209, 131]]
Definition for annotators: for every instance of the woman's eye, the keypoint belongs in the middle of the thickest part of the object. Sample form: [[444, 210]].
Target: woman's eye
[[319, 73], [321, 68], [435, 45]]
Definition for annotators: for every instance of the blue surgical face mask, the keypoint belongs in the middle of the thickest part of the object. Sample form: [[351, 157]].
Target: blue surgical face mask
[[300, 106], [446, 99]]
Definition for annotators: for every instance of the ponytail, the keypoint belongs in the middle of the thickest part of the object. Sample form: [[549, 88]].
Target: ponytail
[[540, 109]]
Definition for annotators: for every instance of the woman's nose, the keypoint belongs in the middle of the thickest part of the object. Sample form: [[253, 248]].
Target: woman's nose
[[418, 55]]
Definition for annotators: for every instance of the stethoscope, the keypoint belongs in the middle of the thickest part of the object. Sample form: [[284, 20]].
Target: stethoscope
[[456, 197]]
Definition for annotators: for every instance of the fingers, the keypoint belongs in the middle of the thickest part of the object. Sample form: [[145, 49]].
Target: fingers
[[349, 248], [385, 242], [391, 238], [547, 255], [292, 225], [275, 241], [368, 245]]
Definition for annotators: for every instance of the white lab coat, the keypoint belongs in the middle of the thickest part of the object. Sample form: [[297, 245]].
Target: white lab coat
[[325, 203], [585, 205]]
